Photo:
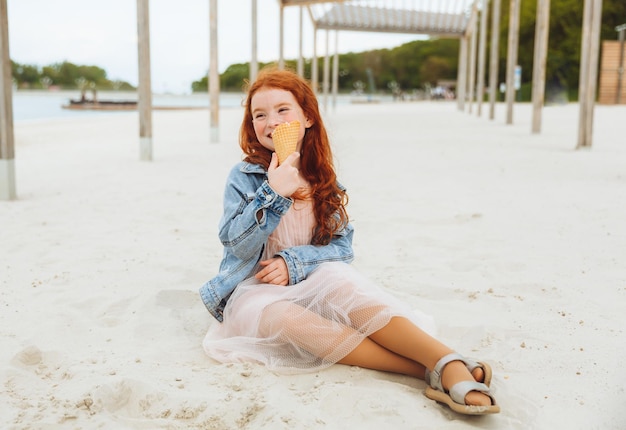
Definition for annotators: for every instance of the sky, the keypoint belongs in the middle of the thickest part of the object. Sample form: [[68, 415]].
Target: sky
[[104, 34]]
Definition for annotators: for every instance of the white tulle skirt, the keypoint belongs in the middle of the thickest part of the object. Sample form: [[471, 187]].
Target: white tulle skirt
[[304, 327]]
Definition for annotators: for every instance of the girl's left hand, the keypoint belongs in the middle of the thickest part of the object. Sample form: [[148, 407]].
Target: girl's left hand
[[274, 272]]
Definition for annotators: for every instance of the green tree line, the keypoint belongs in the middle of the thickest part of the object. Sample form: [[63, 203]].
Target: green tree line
[[420, 63], [64, 75]]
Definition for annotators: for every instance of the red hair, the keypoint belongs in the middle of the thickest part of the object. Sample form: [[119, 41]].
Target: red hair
[[316, 159]]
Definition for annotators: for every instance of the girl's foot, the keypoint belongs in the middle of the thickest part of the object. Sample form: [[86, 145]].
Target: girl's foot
[[455, 372], [452, 383]]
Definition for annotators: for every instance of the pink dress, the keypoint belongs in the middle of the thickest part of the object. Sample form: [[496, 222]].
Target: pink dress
[[304, 327]]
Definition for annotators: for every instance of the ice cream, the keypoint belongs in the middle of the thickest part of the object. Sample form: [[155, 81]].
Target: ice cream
[[285, 139]]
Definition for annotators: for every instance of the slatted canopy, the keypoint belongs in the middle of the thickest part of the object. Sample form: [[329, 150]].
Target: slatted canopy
[[447, 18]]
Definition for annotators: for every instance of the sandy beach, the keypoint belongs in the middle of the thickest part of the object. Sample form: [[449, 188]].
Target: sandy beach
[[514, 243]]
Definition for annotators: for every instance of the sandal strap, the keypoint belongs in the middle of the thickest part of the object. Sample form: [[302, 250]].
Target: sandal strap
[[435, 374], [460, 390], [469, 363]]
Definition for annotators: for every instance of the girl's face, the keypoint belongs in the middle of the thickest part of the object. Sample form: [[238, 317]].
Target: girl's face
[[271, 107]]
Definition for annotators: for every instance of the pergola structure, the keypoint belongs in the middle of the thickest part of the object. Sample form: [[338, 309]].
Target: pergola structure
[[462, 19]]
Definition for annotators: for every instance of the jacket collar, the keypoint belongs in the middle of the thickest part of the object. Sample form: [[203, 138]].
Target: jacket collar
[[252, 168]]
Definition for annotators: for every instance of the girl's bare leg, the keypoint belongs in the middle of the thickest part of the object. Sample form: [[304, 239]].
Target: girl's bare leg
[[399, 347], [371, 355], [295, 323], [404, 338]]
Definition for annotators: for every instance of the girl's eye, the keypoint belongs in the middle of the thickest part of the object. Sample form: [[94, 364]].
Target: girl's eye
[[283, 109], [259, 116]]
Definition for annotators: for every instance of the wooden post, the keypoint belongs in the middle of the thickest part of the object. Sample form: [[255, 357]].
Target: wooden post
[[482, 47], [314, 71], [144, 104], [281, 43], [335, 86], [214, 75], [300, 55], [620, 71], [494, 58], [511, 57], [7, 143], [254, 62], [542, 29], [326, 78], [472, 60], [461, 79], [590, 46]]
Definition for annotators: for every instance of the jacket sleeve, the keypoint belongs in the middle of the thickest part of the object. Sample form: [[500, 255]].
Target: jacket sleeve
[[250, 215], [302, 260]]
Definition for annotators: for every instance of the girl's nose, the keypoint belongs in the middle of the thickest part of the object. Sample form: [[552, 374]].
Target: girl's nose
[[274, 120]]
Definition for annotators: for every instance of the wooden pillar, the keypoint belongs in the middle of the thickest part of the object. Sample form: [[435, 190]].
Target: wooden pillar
[[482, 47], [281, 43], [7, 143], [300, 55], [314, 71], [620, 78], [494, 58], [542, 29], [472, 59], [144, 104], [461, 79], [590, 46], [326, 78], [254, 61], [335, 86], [511, 58], [214, 75]]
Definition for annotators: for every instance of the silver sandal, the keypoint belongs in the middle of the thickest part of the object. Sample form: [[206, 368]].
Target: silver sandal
[[471, 365], [455, 396]]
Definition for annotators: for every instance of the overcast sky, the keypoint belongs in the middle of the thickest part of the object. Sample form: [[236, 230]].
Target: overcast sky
[[104, 33]]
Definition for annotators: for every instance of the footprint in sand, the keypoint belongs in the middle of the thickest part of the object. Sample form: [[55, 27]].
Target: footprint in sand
[[177, 299], [29, 356]]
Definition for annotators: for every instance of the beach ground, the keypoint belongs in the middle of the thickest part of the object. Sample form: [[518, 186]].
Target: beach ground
[[514, 243]]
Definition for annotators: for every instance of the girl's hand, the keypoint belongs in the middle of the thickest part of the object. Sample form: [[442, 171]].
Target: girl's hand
[[274, 272], [285, 179]]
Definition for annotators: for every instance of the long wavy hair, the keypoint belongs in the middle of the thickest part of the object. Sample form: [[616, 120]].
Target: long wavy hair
[[316, 159]]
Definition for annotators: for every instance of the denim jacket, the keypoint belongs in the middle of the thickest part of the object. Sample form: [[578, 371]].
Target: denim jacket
[[252, 210]]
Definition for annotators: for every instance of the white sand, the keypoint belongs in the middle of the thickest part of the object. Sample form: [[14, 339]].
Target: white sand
[[515, 243]]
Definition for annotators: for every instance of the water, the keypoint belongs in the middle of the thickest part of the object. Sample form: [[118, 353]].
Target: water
[[38, 105]]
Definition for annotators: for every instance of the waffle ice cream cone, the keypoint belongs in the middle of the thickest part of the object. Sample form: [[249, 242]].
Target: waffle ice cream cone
[[285, 139]]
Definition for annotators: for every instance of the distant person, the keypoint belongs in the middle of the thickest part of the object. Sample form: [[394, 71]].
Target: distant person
[[285, 295]]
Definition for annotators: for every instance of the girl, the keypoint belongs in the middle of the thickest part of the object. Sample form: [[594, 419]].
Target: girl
[[285, 295]]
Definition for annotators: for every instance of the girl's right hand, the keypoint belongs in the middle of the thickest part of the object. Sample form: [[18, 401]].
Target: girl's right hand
[[285, 179]]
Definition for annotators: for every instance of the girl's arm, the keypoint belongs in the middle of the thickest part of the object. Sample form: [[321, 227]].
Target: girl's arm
[[302, 260], [250, 215]]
